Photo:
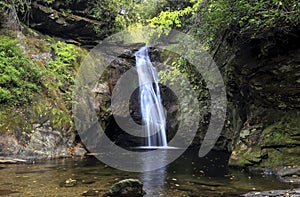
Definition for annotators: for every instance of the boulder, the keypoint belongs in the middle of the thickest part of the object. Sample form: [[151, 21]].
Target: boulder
[[127, 188]]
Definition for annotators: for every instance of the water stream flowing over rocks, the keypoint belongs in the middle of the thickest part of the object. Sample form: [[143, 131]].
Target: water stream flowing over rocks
[[151, 105]]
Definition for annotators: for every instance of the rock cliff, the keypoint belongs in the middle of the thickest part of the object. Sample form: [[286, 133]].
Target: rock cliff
[[74, 21], [263, 87]]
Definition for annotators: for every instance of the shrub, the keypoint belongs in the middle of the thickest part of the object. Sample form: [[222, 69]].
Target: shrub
[[63, 67], [19, 77]]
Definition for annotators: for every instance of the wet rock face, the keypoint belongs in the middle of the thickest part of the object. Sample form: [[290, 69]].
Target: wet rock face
[[262, 79], [69, 20], [126, 188]]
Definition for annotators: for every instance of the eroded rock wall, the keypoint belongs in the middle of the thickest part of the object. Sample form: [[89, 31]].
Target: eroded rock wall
[[262, 79], [74, 21]]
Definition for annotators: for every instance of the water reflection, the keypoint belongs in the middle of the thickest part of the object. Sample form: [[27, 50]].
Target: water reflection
[[187, 176], [154, 181]]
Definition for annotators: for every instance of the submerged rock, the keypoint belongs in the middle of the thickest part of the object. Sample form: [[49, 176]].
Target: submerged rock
[[273, 193], [288, 171], [289, 174], [6, 192], [68, 183], [127, 187], [91, 192]]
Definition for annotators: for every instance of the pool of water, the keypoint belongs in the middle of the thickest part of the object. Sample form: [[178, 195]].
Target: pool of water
[[187, 176]]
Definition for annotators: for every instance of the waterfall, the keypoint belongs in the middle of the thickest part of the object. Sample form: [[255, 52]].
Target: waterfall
[[153, 116]]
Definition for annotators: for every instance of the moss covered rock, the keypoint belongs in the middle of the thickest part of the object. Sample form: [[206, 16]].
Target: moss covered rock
[[40, 124], [275, 145], [127, 187], [263, 94]]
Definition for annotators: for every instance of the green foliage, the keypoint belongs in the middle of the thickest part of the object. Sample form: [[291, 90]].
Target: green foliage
[[9, 10], [62, 68], [3, 5], [173, 18], [49, 1], [124, 13], [19, 77], [12, 119], [245, 18], [58, 82], [19, 5], [210, 19], [188, 74]]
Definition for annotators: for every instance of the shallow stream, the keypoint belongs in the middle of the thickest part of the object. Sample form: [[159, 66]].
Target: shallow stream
[[186, 176]]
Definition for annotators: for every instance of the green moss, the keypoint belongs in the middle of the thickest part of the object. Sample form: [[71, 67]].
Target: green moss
[[45, 108], [47, 93], [59, 83], [20, 77], [14, 121], [273, 135], [247, 156], [61, 70], [278, 144], [282, 132], [281, 157]]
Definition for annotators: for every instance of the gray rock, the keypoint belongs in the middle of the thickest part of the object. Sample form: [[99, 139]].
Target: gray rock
[[287, 171], [273, 193], [8, 145], [46, 142], [79, 152], [127, 187]]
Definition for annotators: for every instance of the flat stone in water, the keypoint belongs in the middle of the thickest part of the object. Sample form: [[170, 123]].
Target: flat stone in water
[[5, 192], [290, 174], [294, 179], [286, 171], [91, 192], [87, 182]]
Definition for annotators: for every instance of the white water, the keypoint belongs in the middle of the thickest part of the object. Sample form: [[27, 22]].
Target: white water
[[151, 107]]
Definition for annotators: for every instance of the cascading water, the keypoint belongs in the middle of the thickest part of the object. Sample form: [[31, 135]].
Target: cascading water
[[153, 116]]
